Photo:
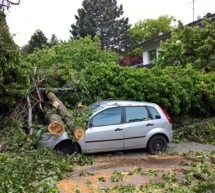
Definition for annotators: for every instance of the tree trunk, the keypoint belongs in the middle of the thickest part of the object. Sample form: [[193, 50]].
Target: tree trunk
[[56, 125], [63, 111]]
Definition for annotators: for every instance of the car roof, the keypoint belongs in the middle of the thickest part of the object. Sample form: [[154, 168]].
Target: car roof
[[108, 103], [123, 102]]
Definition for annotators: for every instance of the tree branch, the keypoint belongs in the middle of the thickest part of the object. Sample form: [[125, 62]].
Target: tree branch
[[12, 3], [7, 3], [30, 127], [57, 89]]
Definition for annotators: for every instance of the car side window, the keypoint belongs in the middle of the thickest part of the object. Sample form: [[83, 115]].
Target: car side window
[[154, 113], [134, 114], [110, 116]]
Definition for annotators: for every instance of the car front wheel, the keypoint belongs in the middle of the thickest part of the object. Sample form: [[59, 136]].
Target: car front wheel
[[156, 144], [67, 147]]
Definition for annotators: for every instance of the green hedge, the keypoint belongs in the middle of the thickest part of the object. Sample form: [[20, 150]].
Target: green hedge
[[179, 91]]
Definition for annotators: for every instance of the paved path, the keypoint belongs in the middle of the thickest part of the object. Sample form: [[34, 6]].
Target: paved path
[[190, 146]]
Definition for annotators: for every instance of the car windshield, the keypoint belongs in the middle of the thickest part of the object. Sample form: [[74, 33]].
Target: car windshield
[[95, 107]]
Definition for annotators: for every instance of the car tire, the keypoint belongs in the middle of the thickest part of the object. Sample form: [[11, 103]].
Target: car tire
[[157, 144], [67, 147]]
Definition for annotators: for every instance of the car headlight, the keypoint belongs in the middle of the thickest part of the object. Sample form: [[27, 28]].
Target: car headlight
[[46, 136]]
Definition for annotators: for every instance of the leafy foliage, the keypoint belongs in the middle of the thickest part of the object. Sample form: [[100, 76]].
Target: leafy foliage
[[14, 80], [202, 132], [149, 28], [173, 88], [54, 40], [35, 170], [190, 44], [94, 75], [26, 169], [59, 65], [102, 17], [81, 116]]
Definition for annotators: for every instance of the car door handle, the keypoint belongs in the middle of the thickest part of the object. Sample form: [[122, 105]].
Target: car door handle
[[118, 129], [149, 124]]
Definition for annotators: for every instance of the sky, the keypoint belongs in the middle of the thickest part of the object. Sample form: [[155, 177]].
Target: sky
[[56, 16]]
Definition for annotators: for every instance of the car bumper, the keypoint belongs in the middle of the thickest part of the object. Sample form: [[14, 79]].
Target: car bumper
[[50, 141]]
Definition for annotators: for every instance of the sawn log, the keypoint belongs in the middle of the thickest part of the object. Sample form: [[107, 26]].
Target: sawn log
[[66, 115], [56, 125]]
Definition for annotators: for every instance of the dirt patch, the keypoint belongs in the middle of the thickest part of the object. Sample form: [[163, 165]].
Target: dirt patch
[[129, 167]]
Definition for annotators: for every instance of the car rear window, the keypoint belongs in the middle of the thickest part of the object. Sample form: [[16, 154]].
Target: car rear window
[[134, 114], [154, 113]]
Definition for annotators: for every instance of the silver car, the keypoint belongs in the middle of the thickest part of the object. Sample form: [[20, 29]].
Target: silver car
[[119, 125]]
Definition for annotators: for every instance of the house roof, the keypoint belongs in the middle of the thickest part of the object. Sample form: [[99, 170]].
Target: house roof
[[164, 36]]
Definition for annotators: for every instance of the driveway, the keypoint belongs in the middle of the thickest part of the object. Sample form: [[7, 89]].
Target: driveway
[[190, 146], [135, 167]]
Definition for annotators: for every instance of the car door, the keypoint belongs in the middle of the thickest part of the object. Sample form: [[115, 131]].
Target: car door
[[105, 132], [137, 124]]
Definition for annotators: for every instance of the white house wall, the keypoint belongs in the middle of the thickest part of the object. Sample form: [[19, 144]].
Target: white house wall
[[147, 48]]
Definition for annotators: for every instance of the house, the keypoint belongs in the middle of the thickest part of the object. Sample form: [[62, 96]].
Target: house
[[151, 47]]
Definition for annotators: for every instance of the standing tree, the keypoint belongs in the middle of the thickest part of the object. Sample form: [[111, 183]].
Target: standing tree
[[103, 18], [53, 41], [14, 80], [149, 28], [84, 25], [38, 41]]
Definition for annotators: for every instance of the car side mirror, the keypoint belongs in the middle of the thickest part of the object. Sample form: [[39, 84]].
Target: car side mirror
[[157, 117], [90, 124]]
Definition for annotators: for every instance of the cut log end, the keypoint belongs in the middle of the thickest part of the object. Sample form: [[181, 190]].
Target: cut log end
[[79, 133], [56, 128]]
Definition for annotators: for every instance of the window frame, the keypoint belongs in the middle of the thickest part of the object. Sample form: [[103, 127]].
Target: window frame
[[124, 114], [150, 111], [150, 58], [91, 120]]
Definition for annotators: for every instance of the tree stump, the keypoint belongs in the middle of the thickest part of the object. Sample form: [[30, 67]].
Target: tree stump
[[56, 125]]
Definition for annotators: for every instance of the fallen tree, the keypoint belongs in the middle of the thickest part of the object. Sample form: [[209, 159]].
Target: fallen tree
[[78, 132]]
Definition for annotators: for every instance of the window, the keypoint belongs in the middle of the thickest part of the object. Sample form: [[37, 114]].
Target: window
[[110, 116], [134, 114], [152, 55], [154, 113]]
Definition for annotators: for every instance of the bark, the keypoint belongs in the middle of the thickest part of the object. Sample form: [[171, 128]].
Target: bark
[[54, 118], [38, 91], [58, 89], [30, 126], [63, 111]]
